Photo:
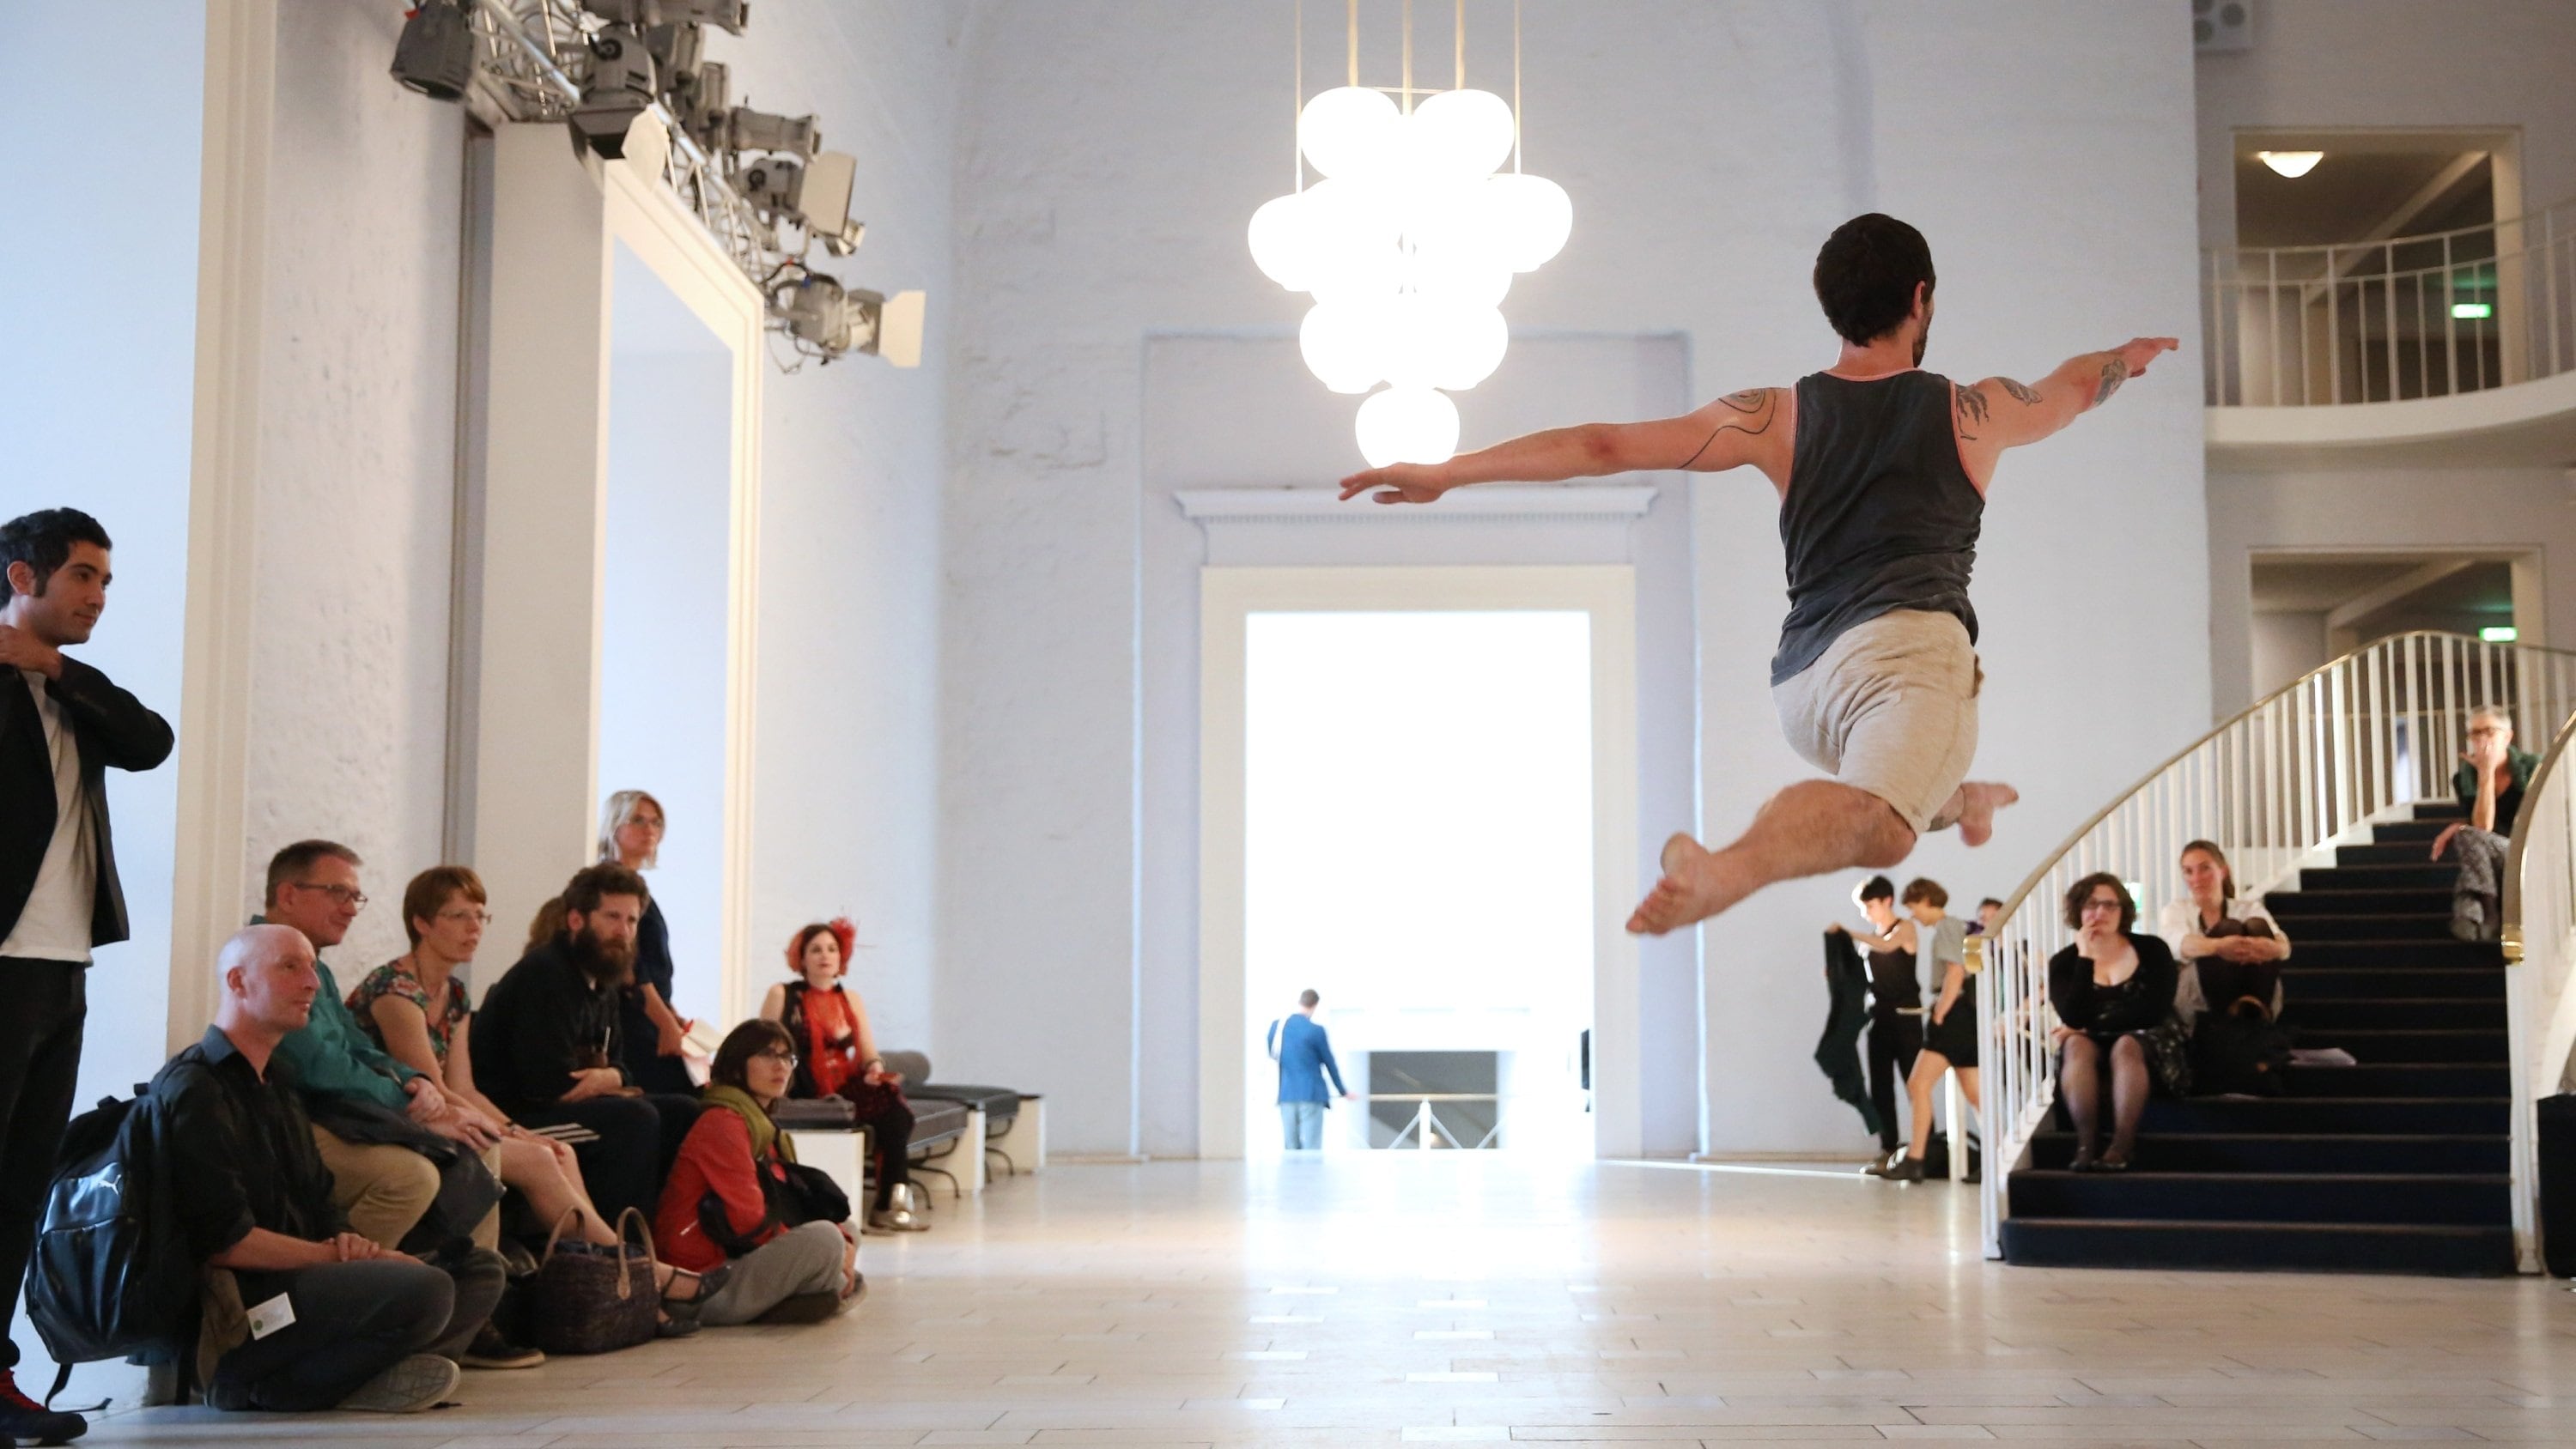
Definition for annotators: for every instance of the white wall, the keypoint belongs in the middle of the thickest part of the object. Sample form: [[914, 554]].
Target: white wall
[[96, 412], [2393, 63], [1108, 158], [2285, 644]]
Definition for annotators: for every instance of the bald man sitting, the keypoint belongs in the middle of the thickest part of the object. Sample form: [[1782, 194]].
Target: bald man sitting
[[323, 1317]]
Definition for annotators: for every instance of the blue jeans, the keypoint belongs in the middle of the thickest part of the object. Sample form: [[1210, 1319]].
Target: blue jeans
[[1303, 1122]]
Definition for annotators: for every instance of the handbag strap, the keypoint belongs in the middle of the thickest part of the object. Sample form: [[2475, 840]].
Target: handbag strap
[[568, 1215], [626, 1263]]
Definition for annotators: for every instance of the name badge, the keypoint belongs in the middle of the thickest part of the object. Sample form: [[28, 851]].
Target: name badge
[[267, 1318]]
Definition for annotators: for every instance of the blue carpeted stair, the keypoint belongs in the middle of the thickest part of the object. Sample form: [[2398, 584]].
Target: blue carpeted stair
[[2397, 1165]]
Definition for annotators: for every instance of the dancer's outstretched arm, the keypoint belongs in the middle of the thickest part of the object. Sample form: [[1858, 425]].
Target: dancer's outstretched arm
[[2000, 413], [1742, 427]]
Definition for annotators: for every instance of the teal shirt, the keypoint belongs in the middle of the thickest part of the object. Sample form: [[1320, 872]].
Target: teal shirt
[[333, 1057]]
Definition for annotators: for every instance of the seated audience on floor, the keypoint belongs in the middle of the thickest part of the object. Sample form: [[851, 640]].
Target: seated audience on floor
[[2113, 991], [417, 1009], [838, 1058], [2229, 947], [378, 1123], [630, 834], [548, 1050], [1949, 1027], [736, 1212], [2489, 785], [306, 1313]]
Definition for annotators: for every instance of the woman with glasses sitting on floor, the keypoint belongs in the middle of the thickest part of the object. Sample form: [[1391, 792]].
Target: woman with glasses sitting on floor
[[732, 1203], [418, 1011], [2113, 991]]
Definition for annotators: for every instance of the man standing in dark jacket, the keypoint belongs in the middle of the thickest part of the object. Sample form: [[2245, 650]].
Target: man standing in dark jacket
[[547, 1047], [62, 724]]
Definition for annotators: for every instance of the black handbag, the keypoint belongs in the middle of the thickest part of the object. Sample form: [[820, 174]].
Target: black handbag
[[2240, 1052], [590, 1298], [795, 1195]]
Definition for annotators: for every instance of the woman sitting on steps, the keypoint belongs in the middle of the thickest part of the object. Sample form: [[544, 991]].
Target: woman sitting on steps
[[2114, 996]]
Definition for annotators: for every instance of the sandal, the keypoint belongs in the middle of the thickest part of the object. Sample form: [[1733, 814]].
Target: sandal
[[2084, 1160]]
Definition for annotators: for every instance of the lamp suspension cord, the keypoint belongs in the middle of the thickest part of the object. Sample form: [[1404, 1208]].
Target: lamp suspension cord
[[1408, 57], [1353, 26], [1516, 87], [1460, 32], [1297, 105]]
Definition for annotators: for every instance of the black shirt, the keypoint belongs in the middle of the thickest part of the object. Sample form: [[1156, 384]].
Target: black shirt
[[239, 1151], [1880, 514], [540, 1022], [1893, 984], [2138, 1004]]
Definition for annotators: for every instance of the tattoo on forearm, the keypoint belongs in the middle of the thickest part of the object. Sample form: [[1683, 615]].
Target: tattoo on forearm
[[1755, 403], [1969, 405], [2019, 393], [2114, 373]]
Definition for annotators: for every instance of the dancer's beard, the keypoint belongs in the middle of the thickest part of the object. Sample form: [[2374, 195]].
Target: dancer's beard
[[605, 963], [1922, 340]]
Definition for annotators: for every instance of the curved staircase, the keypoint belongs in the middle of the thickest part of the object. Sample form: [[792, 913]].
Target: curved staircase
[[2397, 1164]]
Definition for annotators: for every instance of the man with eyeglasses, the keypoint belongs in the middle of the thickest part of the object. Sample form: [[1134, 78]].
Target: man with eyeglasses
[[384, 1188], [2489, 784]]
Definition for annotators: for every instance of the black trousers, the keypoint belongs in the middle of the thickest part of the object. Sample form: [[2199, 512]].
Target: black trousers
[[352, 1322], [639, 1139], [890, 1132], [1895, 1038], [42, 1007]]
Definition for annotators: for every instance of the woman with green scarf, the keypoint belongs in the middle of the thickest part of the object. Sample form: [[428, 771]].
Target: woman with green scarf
[[722, 1202]]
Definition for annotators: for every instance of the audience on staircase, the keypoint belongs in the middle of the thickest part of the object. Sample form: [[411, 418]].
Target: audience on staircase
[[2489, 784], [2113, 991], [2229, 947]]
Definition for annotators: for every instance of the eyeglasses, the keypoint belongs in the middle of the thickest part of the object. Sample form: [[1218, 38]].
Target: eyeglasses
[[478, 917], [2102, 903], [344, 895], [776, 1054], [647, 822]]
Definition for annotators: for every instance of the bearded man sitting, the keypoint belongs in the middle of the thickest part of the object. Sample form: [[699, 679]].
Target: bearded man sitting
[[546, 1047]]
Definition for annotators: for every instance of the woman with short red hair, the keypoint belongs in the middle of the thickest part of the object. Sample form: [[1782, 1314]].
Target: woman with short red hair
[[838, 1058]]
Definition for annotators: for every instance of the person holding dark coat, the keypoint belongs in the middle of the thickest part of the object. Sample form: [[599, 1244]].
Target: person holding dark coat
[[63, 725], [2113, 991], [547, 1045]]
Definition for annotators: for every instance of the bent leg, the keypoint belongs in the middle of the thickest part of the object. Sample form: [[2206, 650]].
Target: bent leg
[[352, 1322], [382, 1189], [529, 1166], [804, 1259], [2129, 1089], [1926, 1079], [2079, 1080], [1808, 829]]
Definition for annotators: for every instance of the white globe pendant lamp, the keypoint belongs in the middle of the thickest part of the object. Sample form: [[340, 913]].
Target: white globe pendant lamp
[[1408, 244]]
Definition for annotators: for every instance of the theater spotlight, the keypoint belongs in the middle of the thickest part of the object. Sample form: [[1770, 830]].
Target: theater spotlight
[[620, 89], [744, 129], [435, 55], [833, 321], [730, 15]]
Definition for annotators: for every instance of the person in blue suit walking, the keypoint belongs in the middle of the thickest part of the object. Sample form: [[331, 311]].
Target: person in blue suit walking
[[1305, 1056]]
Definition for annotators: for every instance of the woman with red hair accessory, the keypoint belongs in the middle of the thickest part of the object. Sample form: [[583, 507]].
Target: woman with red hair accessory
[[837, 1057]]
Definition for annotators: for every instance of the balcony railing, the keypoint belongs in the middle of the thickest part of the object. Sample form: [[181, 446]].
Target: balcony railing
[[2383, 321]]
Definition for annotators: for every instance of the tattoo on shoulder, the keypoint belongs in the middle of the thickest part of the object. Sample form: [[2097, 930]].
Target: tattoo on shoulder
[[2114, 373], [1969, 405], [2019, 393], [1751, 400], [1755, 405]]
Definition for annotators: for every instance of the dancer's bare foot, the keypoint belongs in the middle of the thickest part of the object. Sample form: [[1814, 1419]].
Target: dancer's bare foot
[[1690, 891], [1978, 802]]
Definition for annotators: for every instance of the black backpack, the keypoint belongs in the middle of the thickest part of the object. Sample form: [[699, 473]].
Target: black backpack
[[110, 1276]]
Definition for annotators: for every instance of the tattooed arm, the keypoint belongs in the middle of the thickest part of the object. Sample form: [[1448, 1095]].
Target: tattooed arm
[[1751, 426], [2000, 413]]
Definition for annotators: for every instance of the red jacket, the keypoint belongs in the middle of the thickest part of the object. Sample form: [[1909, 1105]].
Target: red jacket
[[716, 1157]]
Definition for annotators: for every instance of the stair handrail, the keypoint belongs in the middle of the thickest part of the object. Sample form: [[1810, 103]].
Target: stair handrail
[[2539, 933], [2310, 765], [2436, 314]]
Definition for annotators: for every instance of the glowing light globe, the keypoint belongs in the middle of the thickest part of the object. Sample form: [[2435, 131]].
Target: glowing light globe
[[1530, 216], [1348, 130], [1408, 425], [1344, 344], [1459, 135], [1283, 242]]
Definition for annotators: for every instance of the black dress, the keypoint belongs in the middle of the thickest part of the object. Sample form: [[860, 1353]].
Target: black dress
[[643, 1058], [2140, 1007]]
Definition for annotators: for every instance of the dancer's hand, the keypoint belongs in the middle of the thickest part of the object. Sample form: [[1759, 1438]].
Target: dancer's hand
[[1396, 483], [2137, 352]]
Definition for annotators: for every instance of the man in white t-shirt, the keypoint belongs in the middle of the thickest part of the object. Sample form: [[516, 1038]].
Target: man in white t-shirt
[[62, 725]]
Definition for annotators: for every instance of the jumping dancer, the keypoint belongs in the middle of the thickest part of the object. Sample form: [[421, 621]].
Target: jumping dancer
[[1876, 678]]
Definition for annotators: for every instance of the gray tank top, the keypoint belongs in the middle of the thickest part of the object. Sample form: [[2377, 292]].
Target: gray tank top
[[1879, 514]]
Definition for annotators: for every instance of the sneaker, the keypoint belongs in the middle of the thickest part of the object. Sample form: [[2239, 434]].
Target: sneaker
[[897, 1220], [23, 1418], [1879, 1165], [490, 1350], [1906, 1170], [418, 1382]]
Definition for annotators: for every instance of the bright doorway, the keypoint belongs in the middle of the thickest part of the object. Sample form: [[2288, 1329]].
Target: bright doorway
[[1419, 802]]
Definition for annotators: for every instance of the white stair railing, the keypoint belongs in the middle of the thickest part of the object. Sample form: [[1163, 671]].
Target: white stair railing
[[2403, 317], [2309, 766], [2540, 954]]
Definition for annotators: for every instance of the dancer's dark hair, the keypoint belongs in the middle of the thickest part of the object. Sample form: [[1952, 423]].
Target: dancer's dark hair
[[1876, 888], [1866, 275]]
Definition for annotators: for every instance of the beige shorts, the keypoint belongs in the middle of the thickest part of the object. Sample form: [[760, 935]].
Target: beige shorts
[[1890, 708]]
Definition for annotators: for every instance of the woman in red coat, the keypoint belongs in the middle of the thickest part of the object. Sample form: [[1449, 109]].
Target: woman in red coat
[[720, 1204]]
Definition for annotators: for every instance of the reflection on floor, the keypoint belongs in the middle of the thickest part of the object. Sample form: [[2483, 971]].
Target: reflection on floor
[[1454, 1297]]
